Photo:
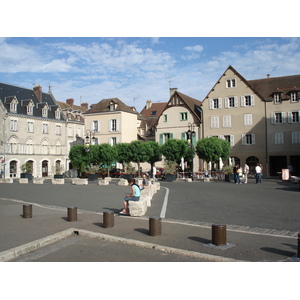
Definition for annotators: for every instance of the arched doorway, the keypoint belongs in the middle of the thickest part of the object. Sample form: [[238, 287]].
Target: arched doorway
[[13, 168], [44, 168], [252, 162]]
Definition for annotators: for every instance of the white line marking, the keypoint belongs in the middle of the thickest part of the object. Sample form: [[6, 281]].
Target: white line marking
[[164, 207]]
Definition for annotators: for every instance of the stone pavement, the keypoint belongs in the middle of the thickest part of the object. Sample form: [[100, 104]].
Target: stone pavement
[[49, 237]]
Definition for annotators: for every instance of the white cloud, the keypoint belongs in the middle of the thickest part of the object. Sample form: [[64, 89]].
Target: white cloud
[[196, 48]]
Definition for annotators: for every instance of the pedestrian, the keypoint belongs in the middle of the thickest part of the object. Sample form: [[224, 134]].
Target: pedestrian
[[154, 171], [145, 182], [258, 170], [246, 172], [290, 167], [134, 196], [236, 173]]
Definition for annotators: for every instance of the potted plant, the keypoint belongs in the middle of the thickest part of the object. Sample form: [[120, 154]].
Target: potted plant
[[27, 170], [228, 172], [170, 169], [129, 170], [92, 172], [58, 171]]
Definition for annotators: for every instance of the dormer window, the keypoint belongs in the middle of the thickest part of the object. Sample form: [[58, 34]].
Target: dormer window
[[112, 106], [231, 83], [57, 114], [294, 97], [277, 98], [29, 110], [45, 112], [13, 107]]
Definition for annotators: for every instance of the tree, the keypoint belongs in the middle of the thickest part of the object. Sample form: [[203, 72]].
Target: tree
[[123, 153], [174, 150], [106, 154], [211, 149], [156, 154], [141, 152], [79, 157]]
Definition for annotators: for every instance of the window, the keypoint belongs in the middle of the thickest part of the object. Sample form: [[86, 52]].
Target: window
[[248, 139], [57, 114], [226, 121], [214, 122], [45, 129], [95, 126], [13, 106], [278, 118], [29, 110], [183, 116], [165, 118], [45, 112], [231, 102], [294, 116], [13, 125], [231, 83], [230, 139], [57, 129], [215, 103], [296, 137], [113, 125], [58, 148], [294, 97], [153, 112], [277, 98], [247, 100], [278, 138], [248, 119], [29, 126], [164, 137], [113, 141], [29, 147]]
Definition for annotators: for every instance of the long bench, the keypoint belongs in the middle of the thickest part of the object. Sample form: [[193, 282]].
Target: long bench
[[139, 208]]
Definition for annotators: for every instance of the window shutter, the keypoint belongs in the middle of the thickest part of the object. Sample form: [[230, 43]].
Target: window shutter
[[289, 117], [252, 100], [272, 118], [109, 125], [194, 140], [243, 139], [161, 139], [283, 117], [171, 135], [211, 104], [231, 140], [226, 102], [220, 102], [183, 136], [235, 101], [118, 125], [253, 138], [242, 101]]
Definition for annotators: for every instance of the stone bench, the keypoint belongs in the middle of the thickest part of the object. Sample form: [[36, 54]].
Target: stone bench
[[23, 180], [139, 208], [6, 180], [58, 181], [103, 181], [38, 180], [80, 181]]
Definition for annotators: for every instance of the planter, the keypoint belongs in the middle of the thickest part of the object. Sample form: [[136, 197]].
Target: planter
[[93, 177], [26, 175], [229, 177], [58, 176], [170, 177], [127, 176]]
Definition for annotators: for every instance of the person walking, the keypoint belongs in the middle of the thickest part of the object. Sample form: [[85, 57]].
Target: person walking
[[236, 173], [246, 172], [154, 171], [258, 171]]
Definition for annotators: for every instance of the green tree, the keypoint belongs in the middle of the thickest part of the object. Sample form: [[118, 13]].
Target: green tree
[[106, 154], [211, 149], [156, 154], [174, 150], [141, 152], [123, 153], [79, 157]]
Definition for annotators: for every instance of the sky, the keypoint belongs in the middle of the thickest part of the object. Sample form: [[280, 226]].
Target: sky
[[138, 57]]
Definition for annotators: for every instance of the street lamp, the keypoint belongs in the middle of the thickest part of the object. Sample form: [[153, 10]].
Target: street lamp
[[190, 134], [90, 136]]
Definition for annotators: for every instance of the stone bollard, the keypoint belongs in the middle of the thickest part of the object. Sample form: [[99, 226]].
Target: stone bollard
[[108, 219], [27, 211], [72, 214], [155, 226], [219, 235], [298, 255]]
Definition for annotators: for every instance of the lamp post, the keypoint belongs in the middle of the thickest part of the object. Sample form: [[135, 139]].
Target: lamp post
[[190, 134], [90, 136]]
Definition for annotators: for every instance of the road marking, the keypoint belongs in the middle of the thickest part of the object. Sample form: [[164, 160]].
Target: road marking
[[164, 207]]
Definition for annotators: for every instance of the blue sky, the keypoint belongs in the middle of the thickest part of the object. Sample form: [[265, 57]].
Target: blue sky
[[113, 59]]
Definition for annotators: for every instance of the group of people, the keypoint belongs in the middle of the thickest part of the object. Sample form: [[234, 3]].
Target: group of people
[[245, 171]]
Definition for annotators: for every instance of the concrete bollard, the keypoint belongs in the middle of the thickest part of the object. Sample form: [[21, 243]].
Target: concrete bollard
[[298, 255], [219, 235], [108, 219], [154, 226], [27, 211], [72, 214]]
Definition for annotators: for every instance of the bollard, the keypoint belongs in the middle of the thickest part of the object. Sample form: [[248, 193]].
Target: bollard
[[155, 226], [298, 255], [219, 235], [108, 219], [72, 214], [27, 211]]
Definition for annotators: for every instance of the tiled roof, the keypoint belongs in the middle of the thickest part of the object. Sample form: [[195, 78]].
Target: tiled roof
[[154, 110]]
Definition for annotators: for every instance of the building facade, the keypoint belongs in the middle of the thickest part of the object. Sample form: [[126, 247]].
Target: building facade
[[32, 131]]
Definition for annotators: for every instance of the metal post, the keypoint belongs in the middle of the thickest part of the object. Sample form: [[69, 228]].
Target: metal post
[[155, 226], [298, 255], [219, 235], [72, 214], [27, 211], [108, 219]]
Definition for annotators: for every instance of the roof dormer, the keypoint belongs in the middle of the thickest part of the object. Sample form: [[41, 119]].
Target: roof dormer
[[13, 103]]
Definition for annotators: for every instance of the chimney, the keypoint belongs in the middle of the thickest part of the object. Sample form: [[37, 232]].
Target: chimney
[[148, 104], [70, 101], [85, 105], [268, 75], [172, 91], [38, 92]]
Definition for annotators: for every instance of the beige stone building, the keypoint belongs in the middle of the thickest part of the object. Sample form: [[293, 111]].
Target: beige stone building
[[32, 131], [260, 119], [180, 114]]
